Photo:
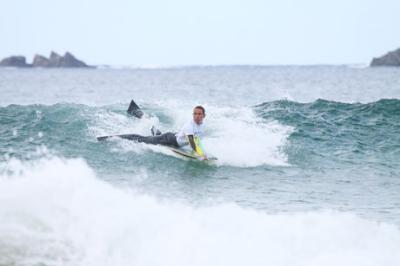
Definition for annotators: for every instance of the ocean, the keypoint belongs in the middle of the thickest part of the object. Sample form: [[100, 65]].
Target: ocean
[[308, 169]]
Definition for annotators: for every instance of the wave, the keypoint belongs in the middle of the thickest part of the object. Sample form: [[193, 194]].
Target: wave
[[55, 211], [332, 128], [278, 133], [382, 111], [237, 136]]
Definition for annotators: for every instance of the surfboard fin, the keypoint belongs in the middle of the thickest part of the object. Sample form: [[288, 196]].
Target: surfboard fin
[[134, 110]]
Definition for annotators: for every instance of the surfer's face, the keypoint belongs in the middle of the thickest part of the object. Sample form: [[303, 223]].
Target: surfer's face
[[198, 115]]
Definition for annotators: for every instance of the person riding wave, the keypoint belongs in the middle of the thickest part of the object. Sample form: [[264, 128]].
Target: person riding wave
[[189, 134]]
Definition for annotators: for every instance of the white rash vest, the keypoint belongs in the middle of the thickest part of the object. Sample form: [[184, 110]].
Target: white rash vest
[[190, 128]]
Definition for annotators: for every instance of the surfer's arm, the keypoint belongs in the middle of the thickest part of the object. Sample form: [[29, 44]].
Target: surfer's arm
[[196, 149], [192, 144]]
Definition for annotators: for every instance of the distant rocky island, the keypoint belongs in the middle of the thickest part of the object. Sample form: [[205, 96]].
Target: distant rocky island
[[54, 61], [390, 59]]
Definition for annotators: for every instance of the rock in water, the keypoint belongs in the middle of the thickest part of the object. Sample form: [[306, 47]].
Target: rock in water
[[14, 61], [40, 61], [68, 60], [55, 59], [389, 59]]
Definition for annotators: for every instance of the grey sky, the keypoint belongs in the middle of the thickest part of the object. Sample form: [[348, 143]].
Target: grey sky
[[184, 32]]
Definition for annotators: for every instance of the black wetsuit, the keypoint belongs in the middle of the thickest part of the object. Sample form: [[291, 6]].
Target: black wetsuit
[[167, 139]]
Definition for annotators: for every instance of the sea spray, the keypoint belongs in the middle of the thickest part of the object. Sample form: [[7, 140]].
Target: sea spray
[[57, 212]]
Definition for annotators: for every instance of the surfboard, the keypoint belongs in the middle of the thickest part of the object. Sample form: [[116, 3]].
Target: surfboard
[[182, 152], [189, 154]]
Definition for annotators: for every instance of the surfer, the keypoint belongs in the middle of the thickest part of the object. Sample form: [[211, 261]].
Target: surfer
[[189, 134]]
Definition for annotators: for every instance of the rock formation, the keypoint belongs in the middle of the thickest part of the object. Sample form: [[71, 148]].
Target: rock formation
[[14, 61], [55, 60], [40, 61], [389, 59], [68, 60]]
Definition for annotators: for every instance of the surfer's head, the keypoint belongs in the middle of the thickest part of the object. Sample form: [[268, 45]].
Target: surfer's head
[[198, 114]]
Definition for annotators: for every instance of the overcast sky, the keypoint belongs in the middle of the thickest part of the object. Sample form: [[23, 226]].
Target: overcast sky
[[205, 32]]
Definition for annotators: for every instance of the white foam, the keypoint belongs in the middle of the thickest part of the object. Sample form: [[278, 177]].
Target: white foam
[[111, 123], [56, 212], [237, 136], [240, 138]]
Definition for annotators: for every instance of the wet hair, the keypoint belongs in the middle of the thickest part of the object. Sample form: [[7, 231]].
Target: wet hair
[[201, 108]]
